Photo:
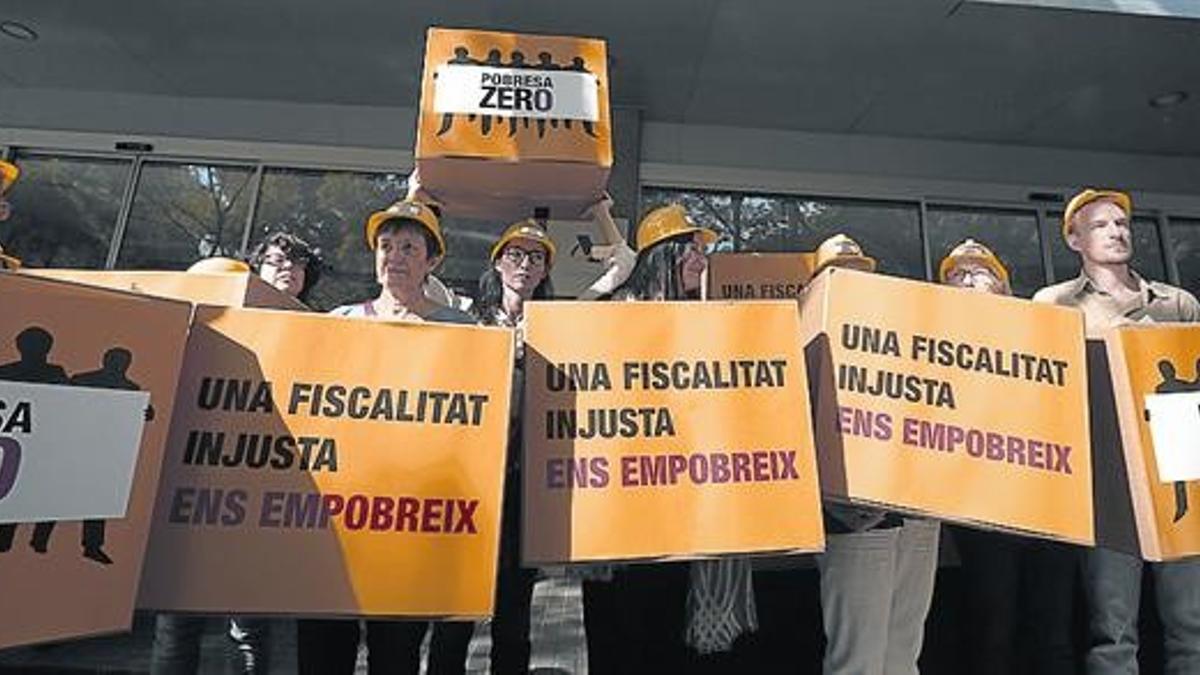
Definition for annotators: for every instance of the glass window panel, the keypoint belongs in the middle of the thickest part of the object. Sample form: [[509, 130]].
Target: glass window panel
[[1185, 235], [184, 212], [64, 210], [1147, 250], [1012, 235], [328, 209], [887, 231]]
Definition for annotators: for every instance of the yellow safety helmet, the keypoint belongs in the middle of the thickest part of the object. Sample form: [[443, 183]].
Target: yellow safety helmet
[[1089, 195], [842, 251], [407, 210], [529, 230], [9, 173], [973, 251], [218, 264], [8, 262], [666, 222]]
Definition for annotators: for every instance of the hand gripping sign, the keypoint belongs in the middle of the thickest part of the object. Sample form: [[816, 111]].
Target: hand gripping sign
[[324, 465], [1157, 391], [666, 430], [86, 392]]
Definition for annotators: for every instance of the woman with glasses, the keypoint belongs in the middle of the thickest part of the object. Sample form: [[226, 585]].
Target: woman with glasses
[[650, 618]]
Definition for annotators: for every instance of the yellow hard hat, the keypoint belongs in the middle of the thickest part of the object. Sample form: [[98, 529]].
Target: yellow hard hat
[[1089, 195], [217, 265], [842, 251], [666, 222], [9, 173], [407, 210], [528, 230], [8, 262], [971, 250]]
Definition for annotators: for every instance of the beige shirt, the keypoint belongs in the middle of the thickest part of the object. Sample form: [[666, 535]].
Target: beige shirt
[[1155, 302]]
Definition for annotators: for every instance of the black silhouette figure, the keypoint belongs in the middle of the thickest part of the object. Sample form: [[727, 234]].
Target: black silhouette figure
[[113, 375], [34, 345], [545, 62], [485, 121], [462, 57], [1171, 384], [518, 61], [578, 66]]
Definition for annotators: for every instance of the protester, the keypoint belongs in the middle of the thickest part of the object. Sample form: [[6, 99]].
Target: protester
[[288, 263], [1097, 226], [408, 245], [1016, 601], [521, 260], [675, 616], [878, 568]]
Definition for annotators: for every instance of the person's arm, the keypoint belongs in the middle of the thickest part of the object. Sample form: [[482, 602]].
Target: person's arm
[[618, 258]]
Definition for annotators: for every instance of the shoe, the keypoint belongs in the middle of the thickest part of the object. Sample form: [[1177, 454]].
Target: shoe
[[98, 555], [39, 546]]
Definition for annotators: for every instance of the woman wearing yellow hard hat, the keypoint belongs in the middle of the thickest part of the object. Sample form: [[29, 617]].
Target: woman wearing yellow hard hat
[[993, 563], [671, 257], [8, 175], [408, 244], [973, 265], [842, 251], [521, 259], [642, 620]]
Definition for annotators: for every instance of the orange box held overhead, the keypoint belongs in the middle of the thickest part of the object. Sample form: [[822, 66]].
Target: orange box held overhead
[[511, 122]]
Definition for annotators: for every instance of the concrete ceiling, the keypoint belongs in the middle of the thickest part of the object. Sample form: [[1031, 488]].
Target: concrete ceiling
[[947, 69]]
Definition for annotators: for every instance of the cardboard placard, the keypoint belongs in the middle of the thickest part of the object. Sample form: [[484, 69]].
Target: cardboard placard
[[229, 289], [965, 406], [758, 276], [511, 122], [1153, 365], [666, 429], [43, 474], [363, 484], [86, 337]]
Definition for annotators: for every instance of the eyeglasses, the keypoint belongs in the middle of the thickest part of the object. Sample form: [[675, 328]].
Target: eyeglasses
[[281, 260], [517, 256]]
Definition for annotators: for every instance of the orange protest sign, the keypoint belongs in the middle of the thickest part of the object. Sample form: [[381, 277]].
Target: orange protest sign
[[326, 465], [1154, 367], [966, 406], [69, 579], [230, 289], [509, 122], [758, 276], [666, 429]]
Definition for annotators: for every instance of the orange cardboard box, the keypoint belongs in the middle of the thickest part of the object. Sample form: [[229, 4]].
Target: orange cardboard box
[[228, 289], [758, 276], [968, 407], [58, 593], [666, 430], [1150, 360], [512, 122]]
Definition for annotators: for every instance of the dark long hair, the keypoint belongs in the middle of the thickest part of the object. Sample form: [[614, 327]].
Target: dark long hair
[[491, 295], [657, 272]]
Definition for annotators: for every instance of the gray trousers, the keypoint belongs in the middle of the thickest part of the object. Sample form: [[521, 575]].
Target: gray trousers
[[876, 588], [1113, 584]]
